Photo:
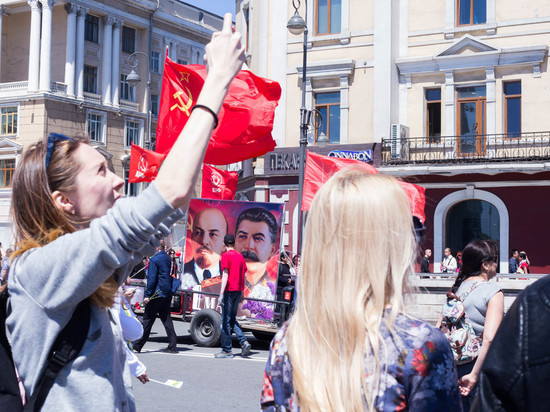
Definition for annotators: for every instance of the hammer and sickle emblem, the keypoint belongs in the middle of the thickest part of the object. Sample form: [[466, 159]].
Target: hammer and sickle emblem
[[182, 106]]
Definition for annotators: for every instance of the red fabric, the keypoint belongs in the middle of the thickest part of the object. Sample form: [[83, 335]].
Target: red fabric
[[320, 168], [218, 184], [235, 264], [245, 120], [144, 164]]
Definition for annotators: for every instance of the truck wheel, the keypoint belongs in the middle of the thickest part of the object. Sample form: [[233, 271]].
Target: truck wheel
[[263, 336], [206, 328]]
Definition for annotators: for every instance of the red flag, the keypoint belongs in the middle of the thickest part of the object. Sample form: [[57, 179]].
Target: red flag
[[245, 120], [218, 184], [144, 164], [320, 168]]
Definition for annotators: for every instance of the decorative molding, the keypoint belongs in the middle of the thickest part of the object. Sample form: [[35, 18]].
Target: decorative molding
[[81, 10], [71, 8], [109, 20], [328, 68], [47, 3], [536, 70], [35, 4], [408, 80]]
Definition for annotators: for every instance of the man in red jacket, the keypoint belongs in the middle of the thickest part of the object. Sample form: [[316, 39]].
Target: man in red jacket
[[234, 268]]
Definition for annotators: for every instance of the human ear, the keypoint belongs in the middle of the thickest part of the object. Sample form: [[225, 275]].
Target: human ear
[[63, 202]]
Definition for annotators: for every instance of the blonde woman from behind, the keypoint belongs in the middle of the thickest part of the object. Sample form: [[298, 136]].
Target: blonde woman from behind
[[350, 345]]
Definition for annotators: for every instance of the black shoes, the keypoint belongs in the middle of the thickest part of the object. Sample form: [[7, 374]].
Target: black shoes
[[168, 350], [245, 348]]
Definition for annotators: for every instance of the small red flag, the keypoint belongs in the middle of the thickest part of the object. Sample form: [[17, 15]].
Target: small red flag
[[245, 120], [218, 184], [320, 168], [144, 164]]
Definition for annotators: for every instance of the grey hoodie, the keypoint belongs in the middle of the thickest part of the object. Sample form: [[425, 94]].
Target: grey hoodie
[[46, 284]]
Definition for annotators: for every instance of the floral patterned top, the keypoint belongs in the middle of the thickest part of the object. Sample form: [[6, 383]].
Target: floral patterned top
[[420, 374]]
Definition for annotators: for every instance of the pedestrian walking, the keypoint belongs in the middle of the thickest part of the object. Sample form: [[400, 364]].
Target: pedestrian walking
[[158, 296], [513, 263], [425, 263], [77, 240], [350, 345], [233, 276], [448, 265]]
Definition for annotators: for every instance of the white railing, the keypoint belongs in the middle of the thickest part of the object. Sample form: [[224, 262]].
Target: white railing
[[92, 97], [126, 104], [59, 88], [13, 88]]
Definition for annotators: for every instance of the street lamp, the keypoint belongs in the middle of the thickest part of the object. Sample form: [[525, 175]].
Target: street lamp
[[297, 25], [133, 79]]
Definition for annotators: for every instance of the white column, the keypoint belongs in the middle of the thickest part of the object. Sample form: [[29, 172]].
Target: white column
[[491, 120], [115, 76], [46, 46], [107, 55], [3, 10], [263, 34], [173, 51], [34, 46], [278, 45], [344, 109], [70, 51], [450, 129], [80, 21]]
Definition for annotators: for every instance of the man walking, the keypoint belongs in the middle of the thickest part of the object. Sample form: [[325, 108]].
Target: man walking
[[449, 264], [425, 264], [157, 299], [234, 268]]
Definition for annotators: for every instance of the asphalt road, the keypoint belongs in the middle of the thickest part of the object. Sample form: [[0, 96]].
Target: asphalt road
[[209, 384]]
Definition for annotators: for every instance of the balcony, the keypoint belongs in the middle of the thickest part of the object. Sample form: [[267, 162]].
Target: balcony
[[466, 149]]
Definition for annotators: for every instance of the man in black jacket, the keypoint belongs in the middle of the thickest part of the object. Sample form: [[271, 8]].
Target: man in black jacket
[[157, 299], [516, 371]]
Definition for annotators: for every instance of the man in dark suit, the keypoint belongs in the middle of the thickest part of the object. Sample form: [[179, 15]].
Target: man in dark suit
[[209, 228], [158, 295]]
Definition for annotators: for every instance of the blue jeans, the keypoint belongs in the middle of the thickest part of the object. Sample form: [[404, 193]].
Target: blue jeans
[[462, 370], [231, 302]]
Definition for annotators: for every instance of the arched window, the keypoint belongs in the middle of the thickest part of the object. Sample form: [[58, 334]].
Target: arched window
[[471, 220]]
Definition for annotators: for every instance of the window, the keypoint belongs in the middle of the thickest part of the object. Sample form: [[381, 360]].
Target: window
[[132, 132], [512, 109], [91, 28], [128, 39], [9, 120], [329, 16], [127, 92], [155, 104], [90, 79], [155, 62], [471, 116], [130, 189], [471, 12], [95, 126], [328, 105], [7, 166], [433, 115], [180, 61]]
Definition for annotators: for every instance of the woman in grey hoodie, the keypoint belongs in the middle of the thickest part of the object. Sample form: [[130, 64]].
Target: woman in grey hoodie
[[77, 239]]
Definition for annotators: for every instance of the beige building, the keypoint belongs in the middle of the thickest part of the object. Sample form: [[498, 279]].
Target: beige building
[[64, 68], [452, 95]]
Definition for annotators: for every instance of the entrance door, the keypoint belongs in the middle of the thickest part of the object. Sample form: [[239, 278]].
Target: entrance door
[[471, 121]]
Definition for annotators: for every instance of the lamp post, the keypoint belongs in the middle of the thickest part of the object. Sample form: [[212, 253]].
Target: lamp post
[[133, 80], [297, 25]]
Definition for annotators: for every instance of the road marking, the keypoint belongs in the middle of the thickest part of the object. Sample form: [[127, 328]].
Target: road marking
[[205, 355]]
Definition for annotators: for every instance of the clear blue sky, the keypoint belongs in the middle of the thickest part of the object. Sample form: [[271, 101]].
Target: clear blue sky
[[219, 7]]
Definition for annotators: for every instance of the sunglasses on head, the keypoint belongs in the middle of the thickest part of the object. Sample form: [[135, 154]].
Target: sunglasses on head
[[52, 139]]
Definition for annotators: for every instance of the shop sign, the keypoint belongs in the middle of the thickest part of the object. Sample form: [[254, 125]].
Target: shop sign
[[363, 156]]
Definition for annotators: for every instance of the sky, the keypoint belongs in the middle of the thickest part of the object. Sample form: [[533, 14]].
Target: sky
[[219, 7]]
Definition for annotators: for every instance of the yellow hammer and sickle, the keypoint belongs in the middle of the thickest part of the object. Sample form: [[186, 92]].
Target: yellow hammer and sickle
[[182, 106]]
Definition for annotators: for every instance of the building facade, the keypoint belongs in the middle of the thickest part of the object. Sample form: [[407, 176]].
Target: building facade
[[451, 96], [64, 68]]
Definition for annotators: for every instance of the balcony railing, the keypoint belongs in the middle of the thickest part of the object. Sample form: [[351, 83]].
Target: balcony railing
[[467, 149]]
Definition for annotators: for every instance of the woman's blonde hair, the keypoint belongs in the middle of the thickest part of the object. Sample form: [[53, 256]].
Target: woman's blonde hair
[[359, 247], [37, 219]]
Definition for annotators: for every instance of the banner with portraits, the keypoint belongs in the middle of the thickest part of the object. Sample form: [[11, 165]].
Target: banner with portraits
[[257, 230]]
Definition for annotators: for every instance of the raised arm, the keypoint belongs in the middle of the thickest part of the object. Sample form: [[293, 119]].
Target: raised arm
[[225, 56]]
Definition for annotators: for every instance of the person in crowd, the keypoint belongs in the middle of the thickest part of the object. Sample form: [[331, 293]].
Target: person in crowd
[[448, 265], [513, 263], [140, 270], [6, 266], [284, 279], [158, 296], [234, 269], [77, 239], [425, 263], [350, 345], [458, 261], [517, 366], [523, 263], [484, 306], [209, 228], [295, 267], [174, 268]]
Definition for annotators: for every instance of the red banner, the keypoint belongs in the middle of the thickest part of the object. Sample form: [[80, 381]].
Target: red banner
[[144, 164], [245, 120], [320, 168], [218, 184]]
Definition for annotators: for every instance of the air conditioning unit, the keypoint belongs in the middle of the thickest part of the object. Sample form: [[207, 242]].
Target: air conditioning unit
[[399, 144]]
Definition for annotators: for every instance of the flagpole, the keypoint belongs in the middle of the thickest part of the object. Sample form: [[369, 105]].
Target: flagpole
[[296, 25]]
